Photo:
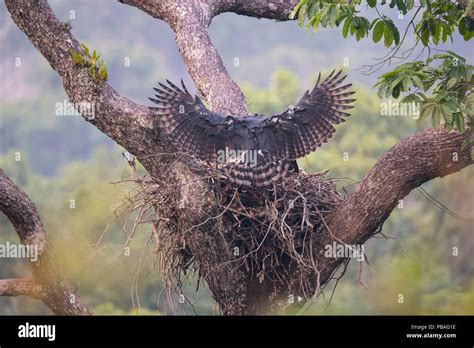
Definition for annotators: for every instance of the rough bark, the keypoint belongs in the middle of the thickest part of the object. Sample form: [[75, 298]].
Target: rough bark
[[50, 284], [189, 20], [424, 156], [418, 158], [271, 9], [21, 287]]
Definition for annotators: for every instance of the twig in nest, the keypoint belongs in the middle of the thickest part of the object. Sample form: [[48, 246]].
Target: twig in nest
[[276, 232]]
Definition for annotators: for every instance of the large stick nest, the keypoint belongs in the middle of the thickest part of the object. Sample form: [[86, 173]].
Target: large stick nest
[[272, 234]]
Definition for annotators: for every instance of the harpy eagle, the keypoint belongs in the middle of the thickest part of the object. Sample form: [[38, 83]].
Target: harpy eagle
[[253, 151]]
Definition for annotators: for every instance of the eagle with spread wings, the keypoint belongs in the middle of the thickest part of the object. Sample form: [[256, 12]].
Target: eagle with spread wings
[[253, 151]]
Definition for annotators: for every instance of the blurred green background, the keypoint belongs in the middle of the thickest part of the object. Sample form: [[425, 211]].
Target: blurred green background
[[64, 158]]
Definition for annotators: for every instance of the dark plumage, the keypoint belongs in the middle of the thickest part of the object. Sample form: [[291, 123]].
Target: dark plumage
[[275, 142]]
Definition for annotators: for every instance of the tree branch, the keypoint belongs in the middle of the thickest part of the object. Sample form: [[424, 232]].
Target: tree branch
[[271, 9], [21, 287], [129, 124], [207, 69], [429, 154], [190, 20], [56, 291]]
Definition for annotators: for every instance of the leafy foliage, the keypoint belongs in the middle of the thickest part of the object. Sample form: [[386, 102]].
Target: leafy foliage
[[446, 77], [95, 66], [450, 84], [439, 19]]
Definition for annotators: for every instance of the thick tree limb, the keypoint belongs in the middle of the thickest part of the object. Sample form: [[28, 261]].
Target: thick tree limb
[[50, 283], [189, 20], [430, 154], [271, 9], [129, 124], [207, 70]]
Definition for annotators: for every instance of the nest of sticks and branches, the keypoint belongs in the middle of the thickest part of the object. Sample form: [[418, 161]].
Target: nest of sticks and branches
[[272, 236]]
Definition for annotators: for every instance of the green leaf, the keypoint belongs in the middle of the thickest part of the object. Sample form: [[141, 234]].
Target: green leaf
[[85, 48], [102, 73], [313, 22], [406, 83], [374, 22], [77, 58], [426, 111], [432, 23], [396, 35], [436, 117], [345, 28], [437, 34], [402, 6], [424, 32], [451, 53], [332, 15], [301, 16], [411, 98], [447, 31], [387, 36], [417, 82], [396, 91], [378, 31], [372, 3], [297, 9], [356, 23], [389, 74], [312, 10], [421, 95], [459, 121], [447, 114], [451, 82], [466, 27]]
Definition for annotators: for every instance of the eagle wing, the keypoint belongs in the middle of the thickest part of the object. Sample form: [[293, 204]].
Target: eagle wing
[[193, 128], [278, 139], [301, 129]]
